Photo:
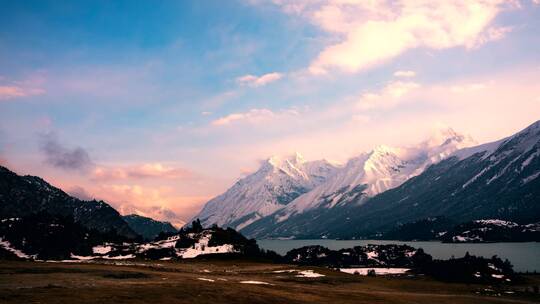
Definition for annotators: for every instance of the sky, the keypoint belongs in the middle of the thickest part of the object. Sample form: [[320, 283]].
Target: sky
[[157, 106]]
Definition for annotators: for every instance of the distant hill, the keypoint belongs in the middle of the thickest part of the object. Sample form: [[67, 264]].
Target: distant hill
[[147, 227]]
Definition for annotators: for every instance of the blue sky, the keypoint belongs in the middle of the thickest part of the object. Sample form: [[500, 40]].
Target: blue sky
[[162, 105]]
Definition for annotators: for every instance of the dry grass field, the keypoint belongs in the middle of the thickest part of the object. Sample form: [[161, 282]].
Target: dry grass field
[[199, 281]]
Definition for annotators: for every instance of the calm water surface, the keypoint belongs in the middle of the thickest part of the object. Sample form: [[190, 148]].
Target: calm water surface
[[524, 256]]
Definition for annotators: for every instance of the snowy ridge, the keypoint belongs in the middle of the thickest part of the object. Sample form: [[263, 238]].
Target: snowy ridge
[[522, 143], [369, 174], [277, 182], [527, 138]]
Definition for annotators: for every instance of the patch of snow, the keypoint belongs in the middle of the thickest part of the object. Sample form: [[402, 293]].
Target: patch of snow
[[498, 276], [497, 222], [529, 159], [120, 257], [474, 178], [205, 279], [170, 242], [493, 267], [286, 270], [102, 249], [201, 247], [464, 239], [11, 219], [255, 282], [309, 274], [530, 177], [410, 253], [7, 246], [372, 255], [82, 258]]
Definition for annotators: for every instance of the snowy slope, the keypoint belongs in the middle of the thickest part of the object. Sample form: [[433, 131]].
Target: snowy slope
[[375, 172], [277, 182], [500, 180]]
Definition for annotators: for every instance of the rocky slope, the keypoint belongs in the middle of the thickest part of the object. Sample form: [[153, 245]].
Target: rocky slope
[[22, 196]]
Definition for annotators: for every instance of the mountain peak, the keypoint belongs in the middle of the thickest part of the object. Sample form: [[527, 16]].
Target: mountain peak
[[293, 159], [278, 181], [444, 136], [383, 149]]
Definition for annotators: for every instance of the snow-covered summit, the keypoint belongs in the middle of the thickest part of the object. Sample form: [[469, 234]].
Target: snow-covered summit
[[379, 170], [279, 180]]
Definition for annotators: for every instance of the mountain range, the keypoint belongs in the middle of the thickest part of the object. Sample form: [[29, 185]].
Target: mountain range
[[376, 192], [435, 190]]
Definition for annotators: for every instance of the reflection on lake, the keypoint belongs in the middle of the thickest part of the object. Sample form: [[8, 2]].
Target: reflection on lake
[[524, 256]]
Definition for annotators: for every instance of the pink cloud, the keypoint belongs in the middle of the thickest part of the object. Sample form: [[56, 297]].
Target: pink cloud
[[153, 170], [158, 202], [14, 91], [369, 33]]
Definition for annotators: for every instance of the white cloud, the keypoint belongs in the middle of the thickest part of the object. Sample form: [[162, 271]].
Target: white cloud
[[389, 96], [370, 33], [405, 74], [258, 81], [253, 116]]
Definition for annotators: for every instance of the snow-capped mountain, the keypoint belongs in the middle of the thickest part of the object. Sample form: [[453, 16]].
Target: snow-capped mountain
[[497, 180], [371, 173], [278, 181]]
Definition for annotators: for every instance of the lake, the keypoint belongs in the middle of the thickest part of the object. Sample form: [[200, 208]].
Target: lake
[[524, 256]]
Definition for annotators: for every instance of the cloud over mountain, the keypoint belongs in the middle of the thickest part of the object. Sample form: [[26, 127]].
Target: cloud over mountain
[[60, 156]]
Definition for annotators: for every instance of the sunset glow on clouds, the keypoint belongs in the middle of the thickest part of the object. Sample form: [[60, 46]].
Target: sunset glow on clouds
[[373, 32], [161, 110]]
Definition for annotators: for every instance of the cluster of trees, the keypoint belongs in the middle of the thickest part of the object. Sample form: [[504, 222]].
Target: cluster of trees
[[50, 236]]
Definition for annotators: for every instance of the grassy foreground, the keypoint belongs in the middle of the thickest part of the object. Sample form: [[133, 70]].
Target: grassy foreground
[[199, 281]]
